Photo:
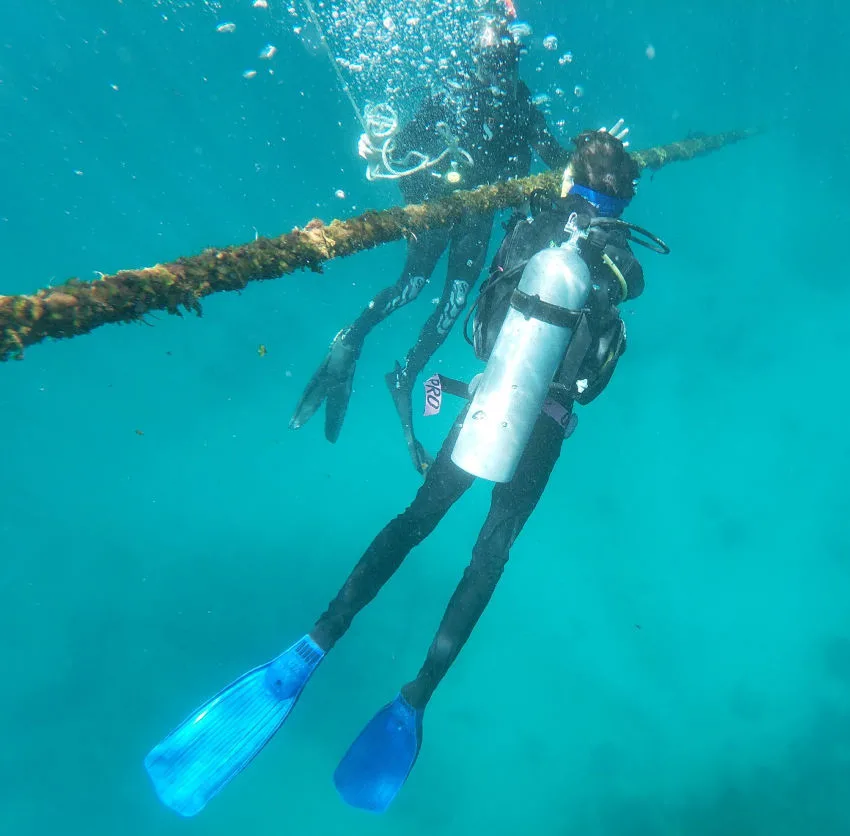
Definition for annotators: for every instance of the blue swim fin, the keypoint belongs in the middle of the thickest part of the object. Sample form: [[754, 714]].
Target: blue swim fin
[[213, 745], [376, 766]]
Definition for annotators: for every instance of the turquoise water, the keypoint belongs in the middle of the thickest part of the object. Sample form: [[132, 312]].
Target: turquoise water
[[669, 649]]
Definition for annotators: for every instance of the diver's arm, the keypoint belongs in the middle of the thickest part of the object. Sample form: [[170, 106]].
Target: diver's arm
[[553, 154], [540, 138], [610, 251], [634, 276], [621, 255]]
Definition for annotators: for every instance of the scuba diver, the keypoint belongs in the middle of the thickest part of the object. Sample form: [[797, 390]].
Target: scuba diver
[[431, 156], [546, 325]]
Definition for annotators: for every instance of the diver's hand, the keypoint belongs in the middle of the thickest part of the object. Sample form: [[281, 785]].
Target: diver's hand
[[371, 154], [366, 150], [332, 382], [618, 131]]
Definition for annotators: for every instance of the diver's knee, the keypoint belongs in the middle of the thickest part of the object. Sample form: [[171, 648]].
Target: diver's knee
[[405, 290], [459, 292], [411, 287], [453, 305]]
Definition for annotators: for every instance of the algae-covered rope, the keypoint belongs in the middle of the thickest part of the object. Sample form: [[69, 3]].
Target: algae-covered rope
[[78, 307]]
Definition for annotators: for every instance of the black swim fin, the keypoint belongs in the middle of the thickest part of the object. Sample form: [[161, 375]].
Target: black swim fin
[[398, 383], [331, 382]]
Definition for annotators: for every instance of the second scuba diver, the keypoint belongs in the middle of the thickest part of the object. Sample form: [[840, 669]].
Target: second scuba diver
[[548, 328], [493, 140]]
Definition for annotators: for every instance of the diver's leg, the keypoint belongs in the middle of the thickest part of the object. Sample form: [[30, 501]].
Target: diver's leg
[[423, 253], [221, 737], [467, 253], [377, 764], [443, 486], [333, 379], [510, 507]]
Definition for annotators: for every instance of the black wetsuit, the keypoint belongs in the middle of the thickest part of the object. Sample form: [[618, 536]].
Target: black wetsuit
[[513, 502], [500, 130]]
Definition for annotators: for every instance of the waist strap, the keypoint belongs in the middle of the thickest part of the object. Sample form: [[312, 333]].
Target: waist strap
[[437, 384], [534, 307]]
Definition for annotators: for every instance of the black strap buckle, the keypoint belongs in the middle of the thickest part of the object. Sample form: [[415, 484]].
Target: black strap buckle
[[533, 307]]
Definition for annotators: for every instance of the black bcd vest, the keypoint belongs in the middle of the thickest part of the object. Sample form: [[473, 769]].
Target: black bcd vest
[[527, 236]]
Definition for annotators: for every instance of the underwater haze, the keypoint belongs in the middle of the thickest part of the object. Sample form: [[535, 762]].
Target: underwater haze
[[668, 651]]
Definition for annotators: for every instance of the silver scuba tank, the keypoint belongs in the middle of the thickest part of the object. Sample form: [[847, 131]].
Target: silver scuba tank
[[525, 358]]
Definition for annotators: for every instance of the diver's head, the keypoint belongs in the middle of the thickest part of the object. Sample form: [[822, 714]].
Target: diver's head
[[495, 53], [602, 171]]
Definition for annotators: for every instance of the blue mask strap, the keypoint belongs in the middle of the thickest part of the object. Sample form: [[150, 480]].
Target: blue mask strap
[[610, 207]]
